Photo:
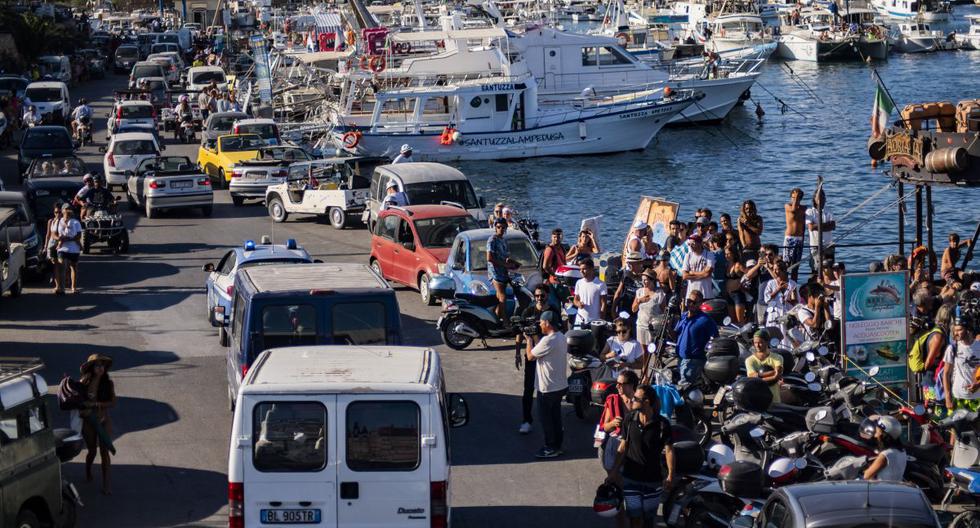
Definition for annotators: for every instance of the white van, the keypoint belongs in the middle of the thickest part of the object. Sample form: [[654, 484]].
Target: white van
[[332, 436], [200, 77], [424, 183]]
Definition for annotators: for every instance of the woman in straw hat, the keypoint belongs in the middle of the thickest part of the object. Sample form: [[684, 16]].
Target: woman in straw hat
[[101, 397]]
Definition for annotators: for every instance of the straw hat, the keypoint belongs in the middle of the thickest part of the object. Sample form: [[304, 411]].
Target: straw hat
[[93, 359]]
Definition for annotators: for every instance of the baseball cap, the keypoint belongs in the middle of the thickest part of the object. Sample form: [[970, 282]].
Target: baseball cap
[[763, 333], [392, 183], [548, 316], [406, 148], [639, 224], [66, 207]]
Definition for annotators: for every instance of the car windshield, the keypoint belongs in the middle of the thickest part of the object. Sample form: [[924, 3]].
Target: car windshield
[[136, 111], [520, 249], [458, 191], [264, 131], [12, 85], [147, 70], [50, 66], [223, 123], [440, 232], [208, 76], [57, 167], [284, 154], [241, 143], [127, 53], [53, 139], [166, 164], [44, 95], [134, 147]]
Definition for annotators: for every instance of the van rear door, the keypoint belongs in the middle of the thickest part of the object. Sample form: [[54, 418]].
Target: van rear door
[[290, 468], [383, 466]]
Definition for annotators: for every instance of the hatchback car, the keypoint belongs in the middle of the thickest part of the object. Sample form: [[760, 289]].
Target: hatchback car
[[54, 141], [219, 124], [264, 128], [221, 276], [410, 245], [124, 153], [126, 56], [145, 69], [467, 261], [130, 113]]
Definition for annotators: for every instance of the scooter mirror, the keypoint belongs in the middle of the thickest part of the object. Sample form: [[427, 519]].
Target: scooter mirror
[[652, 348], [774, 342], [757, 433], [919, 410], [814, 387], [823, 351], [571, 311], [810, 377], [810, 356], [800, 463], [726, 321], [873, 371], [821, 414]]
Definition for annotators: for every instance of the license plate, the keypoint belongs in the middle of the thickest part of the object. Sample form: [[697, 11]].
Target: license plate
[[282, 516], [575, 386], [182, 184]]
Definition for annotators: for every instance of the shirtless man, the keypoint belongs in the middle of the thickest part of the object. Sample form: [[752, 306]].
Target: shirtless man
[[951, 257], [793, 237], [750, 229]]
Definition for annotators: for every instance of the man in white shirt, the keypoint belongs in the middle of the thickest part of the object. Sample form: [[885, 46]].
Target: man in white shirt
[[394, 197], [590, 294], [962, 359], [780, 295], [551, 358], [813, 227], [404, 155], [698, 267]]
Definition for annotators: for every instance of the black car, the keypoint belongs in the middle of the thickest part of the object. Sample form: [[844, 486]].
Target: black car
[[49, 180], [38, 141]]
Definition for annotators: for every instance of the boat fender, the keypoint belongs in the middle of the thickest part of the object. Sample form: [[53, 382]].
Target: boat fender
[[351, 37], [456, 136], [351, 139], [377, 64], [668, 91], [623, 38]]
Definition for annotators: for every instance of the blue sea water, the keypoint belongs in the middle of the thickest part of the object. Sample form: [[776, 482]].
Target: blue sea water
[[823, 133]]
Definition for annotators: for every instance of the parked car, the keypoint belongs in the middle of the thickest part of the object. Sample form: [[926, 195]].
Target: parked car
[[332, 188], [14, 84], [467, 261], [13, 256], [125, 58], [161, 47], [369, 425], [252, 177], [52, 101], [410, 245], [55, 68], [124, 153], [51, 141], [312, 304], [264, 128], [24, 230], [200, 77], [219, 124], [49, 180], [423, 183], [132, 112], [221, 276], [169, 65], [168, 182], [217, 159]]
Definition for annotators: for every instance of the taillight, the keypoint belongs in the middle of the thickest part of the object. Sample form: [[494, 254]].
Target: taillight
[[157, 184], [235, 130], [112, 160], [724, 471], [204, 181], [438, 504], [244, 370], [236, 505], [237, 173]]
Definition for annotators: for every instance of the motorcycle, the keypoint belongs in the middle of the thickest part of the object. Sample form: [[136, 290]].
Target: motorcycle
[[186, 129], [84, 133], [963, 472], [105, 225], [466, 316]]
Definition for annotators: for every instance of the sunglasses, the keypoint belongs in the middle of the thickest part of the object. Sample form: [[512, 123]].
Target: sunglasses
[[540, 296]]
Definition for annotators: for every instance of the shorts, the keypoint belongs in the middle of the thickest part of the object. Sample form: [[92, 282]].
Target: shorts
[[792, 249], [609, 452], [52, 253], [641, 498], [970, 405], [65, 256]]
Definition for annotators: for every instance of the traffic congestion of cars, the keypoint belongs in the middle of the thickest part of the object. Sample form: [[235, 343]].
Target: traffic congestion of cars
[[335, 420]]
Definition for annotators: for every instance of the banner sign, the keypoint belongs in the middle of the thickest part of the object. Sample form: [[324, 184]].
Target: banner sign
[[875, 326], [657, 213], [263, 78]]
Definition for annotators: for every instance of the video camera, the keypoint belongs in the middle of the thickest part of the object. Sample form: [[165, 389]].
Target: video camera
[[526, 325]]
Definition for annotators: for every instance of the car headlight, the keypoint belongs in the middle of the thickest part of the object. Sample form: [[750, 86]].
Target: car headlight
[[479, 288], [442, 268]]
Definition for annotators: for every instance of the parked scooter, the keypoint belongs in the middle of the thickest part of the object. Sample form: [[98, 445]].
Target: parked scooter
[[466, 316]]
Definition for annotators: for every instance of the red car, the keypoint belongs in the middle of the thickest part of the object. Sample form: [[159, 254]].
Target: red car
[[411, 244]]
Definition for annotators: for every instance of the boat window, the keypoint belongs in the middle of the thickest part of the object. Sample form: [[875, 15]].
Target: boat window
[[588, 56], [476, 102], [436, 105], [609, 56], [398, 106], [502, 103]]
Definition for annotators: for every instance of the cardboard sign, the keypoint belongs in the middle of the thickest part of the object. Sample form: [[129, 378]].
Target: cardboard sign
[[876, 324], [657, 213]]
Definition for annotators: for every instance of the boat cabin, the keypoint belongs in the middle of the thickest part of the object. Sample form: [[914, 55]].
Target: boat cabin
[[730, 25]]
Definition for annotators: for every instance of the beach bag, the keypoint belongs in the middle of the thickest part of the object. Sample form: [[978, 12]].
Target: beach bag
[[919, 351], [71, 394]]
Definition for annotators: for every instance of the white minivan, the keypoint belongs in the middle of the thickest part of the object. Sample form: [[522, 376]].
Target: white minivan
[[331, 436]]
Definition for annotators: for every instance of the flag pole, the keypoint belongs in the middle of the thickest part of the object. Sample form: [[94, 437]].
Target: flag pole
[[881, 82]]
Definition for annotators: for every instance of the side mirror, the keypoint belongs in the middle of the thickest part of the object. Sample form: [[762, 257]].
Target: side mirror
[[209, 267], [726, 321], [129, 174], [102, 149], [919, 410], [219, 315], [410, 245], [774, 342], [458, 266], [800, 463], [459, 411], [652, 348], [757, 432], [814, 387]]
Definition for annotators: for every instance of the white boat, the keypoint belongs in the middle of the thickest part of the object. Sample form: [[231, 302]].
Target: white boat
[[918, 37], [925, 10], [809, 34], [971, 39], [499, 118], [736, 31]]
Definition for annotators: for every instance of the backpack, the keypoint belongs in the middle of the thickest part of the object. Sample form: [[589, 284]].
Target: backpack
[[920, 351], [71, 394]]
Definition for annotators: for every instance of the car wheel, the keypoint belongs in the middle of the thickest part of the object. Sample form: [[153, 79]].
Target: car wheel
[[17, 287], [27, 519], [376, 266], [148, 211], [338, 218], [207, 210], [277, 210], [222, 183], [223, 336], [424, 290], [237, 201]]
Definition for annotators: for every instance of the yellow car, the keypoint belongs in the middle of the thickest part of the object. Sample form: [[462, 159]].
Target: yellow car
[[216, 158]]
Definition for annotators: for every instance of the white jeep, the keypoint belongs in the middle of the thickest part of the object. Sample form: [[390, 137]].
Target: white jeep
[[335, 188]]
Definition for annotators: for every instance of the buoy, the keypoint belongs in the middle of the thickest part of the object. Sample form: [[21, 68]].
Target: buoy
[[363, 62], [351, 139], [377, 64], [456, 136], [668, 91]]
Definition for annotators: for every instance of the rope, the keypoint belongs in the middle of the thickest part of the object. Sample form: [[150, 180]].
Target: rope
[[780, 101], [878, 383], [865, 202], [873, 216], [714, 115]]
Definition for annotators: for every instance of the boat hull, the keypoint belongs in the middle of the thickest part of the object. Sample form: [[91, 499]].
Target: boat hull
[[814, 50], [720, 96], [629, 129]]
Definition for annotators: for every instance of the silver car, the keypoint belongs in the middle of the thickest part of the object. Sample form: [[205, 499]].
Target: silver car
[[168, 182], [251, 178]]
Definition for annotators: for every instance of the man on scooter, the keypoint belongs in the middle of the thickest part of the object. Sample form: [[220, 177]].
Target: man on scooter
[[498, 264], [182, 114], [83, 110]]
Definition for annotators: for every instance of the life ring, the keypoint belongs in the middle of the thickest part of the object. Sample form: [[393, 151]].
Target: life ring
[[363, 63], [623, 38], [351, 139], [351, 37], [377, 64], [447, 136]]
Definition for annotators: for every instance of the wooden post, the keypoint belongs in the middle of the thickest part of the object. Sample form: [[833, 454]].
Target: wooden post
[[929, 214], [901, 218]]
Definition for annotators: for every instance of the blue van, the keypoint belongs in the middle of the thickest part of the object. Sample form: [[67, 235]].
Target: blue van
[[310, 304]]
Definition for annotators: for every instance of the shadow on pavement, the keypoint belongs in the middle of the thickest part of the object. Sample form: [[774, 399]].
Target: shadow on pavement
[[524, 516], [96, 297], [65, 358], [177, 496]]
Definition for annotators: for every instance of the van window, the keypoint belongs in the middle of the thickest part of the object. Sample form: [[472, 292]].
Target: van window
[[383, 436], [236, 320], [25, 422], [288, 325], [360, 323], [289, 436]]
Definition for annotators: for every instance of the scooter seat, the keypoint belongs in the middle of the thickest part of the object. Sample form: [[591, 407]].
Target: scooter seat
[[931, 453], [781, 408], [484, 301]]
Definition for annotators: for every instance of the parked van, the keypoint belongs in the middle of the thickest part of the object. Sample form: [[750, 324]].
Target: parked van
[[343, 436], [425, 184], [200, 77], [22, 228], [310, 304], [56, 67]]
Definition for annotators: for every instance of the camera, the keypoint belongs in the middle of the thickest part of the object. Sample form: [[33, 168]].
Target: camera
[[526, 325]]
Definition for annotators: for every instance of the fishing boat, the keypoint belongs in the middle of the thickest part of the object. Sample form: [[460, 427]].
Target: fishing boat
[[926, 10], [809, 34], [736, 31], [918, 37], [859, 19], [971, 39], [500, 118]]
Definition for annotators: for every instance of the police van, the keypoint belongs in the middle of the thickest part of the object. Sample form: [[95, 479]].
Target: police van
[[343, 436], [306, 304]]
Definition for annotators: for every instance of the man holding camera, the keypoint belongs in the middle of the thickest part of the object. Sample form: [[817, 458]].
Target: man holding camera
[[531, 332], [551, 355]]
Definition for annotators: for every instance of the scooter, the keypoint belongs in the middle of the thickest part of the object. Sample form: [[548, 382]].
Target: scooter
[[187, 130], [466, 316], [84, 132]]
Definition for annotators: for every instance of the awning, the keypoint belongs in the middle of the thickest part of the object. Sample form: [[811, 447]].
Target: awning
[[460, 34], [319, 56]]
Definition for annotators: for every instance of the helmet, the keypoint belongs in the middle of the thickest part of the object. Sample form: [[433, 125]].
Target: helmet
[[890, 426], [867, 428], [720, 455], [183, 98], [782, 471], [608, 498], [82, 101]]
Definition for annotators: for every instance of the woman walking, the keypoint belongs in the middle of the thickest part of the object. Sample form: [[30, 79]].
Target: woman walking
[[101, 395], [51, 248], [69, 234]]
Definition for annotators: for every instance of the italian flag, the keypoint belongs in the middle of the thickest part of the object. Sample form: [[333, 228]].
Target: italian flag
[[883, 108]]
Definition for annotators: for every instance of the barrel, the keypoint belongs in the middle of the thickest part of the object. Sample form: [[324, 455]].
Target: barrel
[[876, 148], [944, 160]]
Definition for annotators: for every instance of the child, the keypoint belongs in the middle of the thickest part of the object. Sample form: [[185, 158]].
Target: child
[[951, 257]]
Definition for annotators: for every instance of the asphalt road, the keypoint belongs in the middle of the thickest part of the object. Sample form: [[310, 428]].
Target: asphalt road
[[146, 309]]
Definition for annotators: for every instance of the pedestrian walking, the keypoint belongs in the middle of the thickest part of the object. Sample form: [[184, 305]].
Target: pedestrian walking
[[551, 355], [68, 248], [51, 247], [101, 396]]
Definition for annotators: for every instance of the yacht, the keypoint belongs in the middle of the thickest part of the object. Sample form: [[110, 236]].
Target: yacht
[[971, 39], [917, 37], [809, 34], [734, 31], [926, 10]]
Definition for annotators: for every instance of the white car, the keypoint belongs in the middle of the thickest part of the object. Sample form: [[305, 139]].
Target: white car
[[127, 113], [52, 101], [264, 128], [124, 153], [200, 77], [333, 188], [168, 182], [169, 65]]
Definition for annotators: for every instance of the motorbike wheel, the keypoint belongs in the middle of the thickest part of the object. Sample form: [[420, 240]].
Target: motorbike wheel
[[452, 339], [86, 242], [967, 519], [704, 513], [123, 244]]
